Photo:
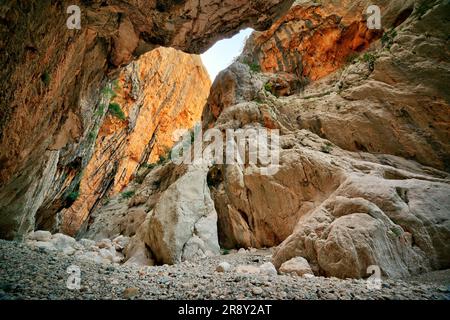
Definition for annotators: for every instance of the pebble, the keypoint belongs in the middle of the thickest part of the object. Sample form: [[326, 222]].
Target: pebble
[[223, 267], [257, 290], [130, 293], [25, 274]]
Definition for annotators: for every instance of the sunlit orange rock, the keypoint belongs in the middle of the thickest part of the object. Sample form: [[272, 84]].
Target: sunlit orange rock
[[311, 41], [163, 91]]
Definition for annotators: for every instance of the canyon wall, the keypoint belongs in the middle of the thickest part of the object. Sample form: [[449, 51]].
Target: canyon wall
[[163, 91], [344, 138], [363, 177], [53, 77], [363, 116]]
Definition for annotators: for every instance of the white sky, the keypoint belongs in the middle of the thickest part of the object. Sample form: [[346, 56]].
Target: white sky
[[221, 55]]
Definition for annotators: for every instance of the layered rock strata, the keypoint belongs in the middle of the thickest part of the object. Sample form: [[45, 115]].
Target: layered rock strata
[[163, 91]]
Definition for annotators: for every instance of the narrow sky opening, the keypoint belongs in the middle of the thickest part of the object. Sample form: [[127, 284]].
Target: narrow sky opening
[[221, 55]]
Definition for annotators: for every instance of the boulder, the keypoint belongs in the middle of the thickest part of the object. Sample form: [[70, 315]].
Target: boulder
[[120, 242], [106, 254], [104, 244], [44, 245], [91, 257], [62, 241], [298, 266], [223, 267], [268, 269], [400, 225], [87, 243], [40, 235], [183, 225]]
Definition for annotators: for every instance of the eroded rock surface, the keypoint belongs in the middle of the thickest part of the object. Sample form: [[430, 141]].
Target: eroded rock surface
[[163, 91], [363, 174], [53, 76], [363, 177]]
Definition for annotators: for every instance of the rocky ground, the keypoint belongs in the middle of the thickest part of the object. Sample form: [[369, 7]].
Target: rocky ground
[[36, 273]]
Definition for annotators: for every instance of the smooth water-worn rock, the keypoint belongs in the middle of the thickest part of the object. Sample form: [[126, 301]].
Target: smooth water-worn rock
[[298, 266], [40, 235], [223, 267], [184, 222], [268, 269]]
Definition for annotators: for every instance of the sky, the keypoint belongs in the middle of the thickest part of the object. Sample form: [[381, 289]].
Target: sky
[[221, 55]]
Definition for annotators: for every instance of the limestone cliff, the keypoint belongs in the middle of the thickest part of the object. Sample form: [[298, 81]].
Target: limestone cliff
[[343, 217], [52, 79], [363, 175], [163, 91]]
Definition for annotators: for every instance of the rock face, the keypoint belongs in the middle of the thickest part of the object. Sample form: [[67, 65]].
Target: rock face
[[342, 190], [350, 189], [163, 91], [363, 177], [52, 78], [183, 225], [411, 126], [310, 41], [400, 225]]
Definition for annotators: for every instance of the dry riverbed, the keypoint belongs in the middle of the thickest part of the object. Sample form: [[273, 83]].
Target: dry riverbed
[[35, 273]]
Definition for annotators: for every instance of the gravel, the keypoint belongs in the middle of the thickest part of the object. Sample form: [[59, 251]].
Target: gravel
[[27, 273]]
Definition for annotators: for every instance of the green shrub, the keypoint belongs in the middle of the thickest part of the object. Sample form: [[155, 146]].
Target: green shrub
[[116, 84], [387, 40], [370, 59], [423, 8], [149, 165], [326, 148], [398, 231], [225, 252], [71, 197], [109, 93], [351, 58], [268, 87], [92, 135], [162, 159], [115, 110], [45, 77], [166, 155], [254, 67], [100, 110], [258, 100], [128, 194]]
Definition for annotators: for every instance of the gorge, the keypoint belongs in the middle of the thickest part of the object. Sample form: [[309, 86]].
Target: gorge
[[88, 125]]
